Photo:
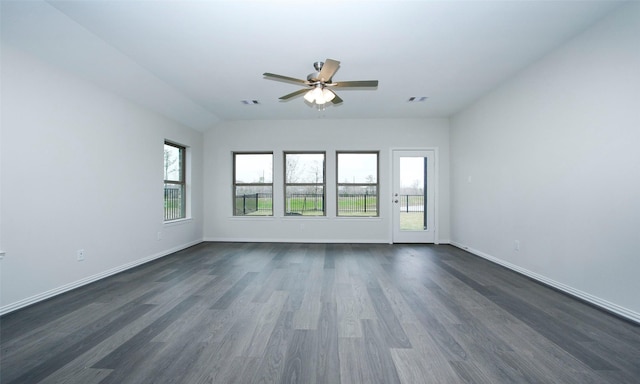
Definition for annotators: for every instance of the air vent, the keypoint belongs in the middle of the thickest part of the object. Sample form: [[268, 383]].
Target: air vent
[[250, 102], [417, 99]]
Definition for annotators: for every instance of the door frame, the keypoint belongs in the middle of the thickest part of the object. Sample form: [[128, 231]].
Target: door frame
[[436, 194]]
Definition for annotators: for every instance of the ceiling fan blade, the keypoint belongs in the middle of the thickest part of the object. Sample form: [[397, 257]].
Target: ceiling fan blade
[[362, 83], [329, 68], [293, 94], [337, 99], [284, 78]]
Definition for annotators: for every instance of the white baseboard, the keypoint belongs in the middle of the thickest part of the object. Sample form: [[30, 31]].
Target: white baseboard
[[90, 279], [604, 304], [313, 241], [295, 240]]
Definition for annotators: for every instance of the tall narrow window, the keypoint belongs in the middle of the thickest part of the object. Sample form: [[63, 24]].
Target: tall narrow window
[[253, 184], [304, 183], [175, 198], [357, 175]]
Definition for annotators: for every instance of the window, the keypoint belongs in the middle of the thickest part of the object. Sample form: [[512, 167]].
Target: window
[[357, 175], [253, 184], [175, 201], [304, 183]]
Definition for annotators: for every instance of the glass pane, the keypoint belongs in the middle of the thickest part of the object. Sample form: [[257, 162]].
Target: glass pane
[[358, 168], [307, 200], [357, 201], [254, 168], [172, 163], [174, 203], [412, 202], [304, 168], [253, 201]]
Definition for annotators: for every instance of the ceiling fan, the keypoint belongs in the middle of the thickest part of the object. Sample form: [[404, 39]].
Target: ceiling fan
[[318, 84]]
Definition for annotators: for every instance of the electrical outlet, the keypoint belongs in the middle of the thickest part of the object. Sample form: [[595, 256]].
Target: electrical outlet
[[80, 254], [159, 236], [516, 245]]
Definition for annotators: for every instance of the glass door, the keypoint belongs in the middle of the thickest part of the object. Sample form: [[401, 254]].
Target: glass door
[[413, 196]]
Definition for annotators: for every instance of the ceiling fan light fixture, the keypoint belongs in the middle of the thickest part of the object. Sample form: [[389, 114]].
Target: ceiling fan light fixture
[[328, 95], [318, 96], [309, 96]]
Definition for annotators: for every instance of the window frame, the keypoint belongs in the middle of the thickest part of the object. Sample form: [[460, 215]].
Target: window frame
[[235, 184], [287, 184], [182, 182], [376, 184]]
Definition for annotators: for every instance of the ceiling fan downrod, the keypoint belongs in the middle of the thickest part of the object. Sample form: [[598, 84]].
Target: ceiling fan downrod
[[313, 77]]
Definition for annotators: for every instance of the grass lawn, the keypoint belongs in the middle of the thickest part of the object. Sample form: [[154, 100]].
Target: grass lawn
[[411, 221]]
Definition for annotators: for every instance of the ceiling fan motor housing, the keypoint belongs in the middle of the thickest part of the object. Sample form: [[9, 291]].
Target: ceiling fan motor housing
[[313, 77]]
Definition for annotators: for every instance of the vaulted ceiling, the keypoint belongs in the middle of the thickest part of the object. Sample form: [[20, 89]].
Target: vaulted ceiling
[[196, 61]]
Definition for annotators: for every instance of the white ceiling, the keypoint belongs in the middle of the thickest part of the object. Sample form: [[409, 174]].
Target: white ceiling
[[195, 61]]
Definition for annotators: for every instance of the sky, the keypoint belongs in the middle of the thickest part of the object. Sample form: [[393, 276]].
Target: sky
[[353, 168], [411, 172]]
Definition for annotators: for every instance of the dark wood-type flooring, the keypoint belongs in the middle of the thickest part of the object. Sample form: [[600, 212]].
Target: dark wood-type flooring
[[317, 313]]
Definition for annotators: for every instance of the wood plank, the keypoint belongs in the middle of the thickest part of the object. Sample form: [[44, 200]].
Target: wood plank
[[123, 353], [432, 324], [301, 358], [273, 361], [306, 317], [378, 354], [363, 304], [347, 312], [232, 293], [354, 368], [328, 365], [267, 320], [387, 320], [79, 374], [469, 373], [424, 363]]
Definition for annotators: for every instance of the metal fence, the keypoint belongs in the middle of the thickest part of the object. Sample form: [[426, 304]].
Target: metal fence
[[301, 203], [173, 202], [411, 203], [257, 204], [309, 203], [246, 204], [357, 203]]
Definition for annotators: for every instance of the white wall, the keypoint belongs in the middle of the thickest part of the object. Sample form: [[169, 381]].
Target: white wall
[[81, 169], [553, 162], [324, 135]]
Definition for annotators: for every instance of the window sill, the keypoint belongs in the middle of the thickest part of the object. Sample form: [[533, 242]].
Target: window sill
[[364, 218], [172, 223], [287, 217], [303, 217]]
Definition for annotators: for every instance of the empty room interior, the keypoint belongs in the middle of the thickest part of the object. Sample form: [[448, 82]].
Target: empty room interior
[[320, 192]]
